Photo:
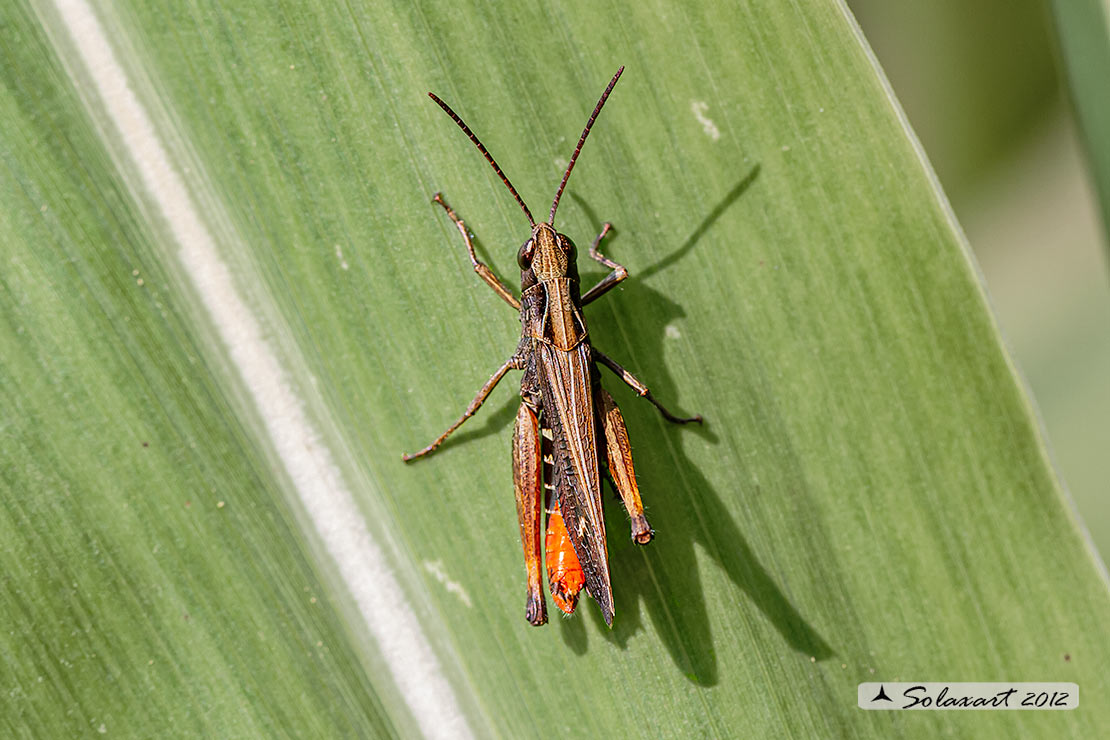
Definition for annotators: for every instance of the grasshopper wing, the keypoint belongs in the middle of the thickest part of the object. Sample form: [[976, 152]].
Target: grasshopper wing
[[568, 408]]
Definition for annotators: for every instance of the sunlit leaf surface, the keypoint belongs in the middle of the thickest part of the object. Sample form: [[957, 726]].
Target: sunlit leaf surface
[[869, 500]]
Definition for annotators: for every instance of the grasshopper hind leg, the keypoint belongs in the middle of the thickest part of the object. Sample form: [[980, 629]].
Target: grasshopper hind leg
[[618, 453], [528, 482]]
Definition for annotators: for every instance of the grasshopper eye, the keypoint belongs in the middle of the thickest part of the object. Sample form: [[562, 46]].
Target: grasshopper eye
[[524, 256]]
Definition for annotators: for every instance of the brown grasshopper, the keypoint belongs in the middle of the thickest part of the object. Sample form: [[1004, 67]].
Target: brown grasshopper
[[564, 410]]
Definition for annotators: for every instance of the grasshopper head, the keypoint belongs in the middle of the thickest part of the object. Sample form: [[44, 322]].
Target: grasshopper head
[[547, 253]]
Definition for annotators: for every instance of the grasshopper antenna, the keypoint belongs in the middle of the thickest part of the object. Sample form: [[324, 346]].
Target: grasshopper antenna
[[482, 149], [581, 141]]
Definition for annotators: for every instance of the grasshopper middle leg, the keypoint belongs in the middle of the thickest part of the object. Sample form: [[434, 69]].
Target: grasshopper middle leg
[[513, 362], [642, 390]]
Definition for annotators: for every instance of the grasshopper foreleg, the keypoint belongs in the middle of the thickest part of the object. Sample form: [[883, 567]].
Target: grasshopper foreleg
[[619, 272], [642, 390], [483, 271], [514, 362]]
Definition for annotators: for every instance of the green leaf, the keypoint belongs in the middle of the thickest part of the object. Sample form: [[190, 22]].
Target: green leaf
[[1083, 32], [153, 581], [869, 500]]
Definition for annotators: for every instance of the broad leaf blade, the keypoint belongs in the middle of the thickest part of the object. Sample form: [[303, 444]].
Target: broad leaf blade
[[153, 581], [870, 498], [1083, 32]]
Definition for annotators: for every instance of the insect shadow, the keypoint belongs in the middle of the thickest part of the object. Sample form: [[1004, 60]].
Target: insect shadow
[[680, 501]]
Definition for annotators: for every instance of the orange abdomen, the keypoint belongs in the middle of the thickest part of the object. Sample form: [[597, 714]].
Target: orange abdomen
[[564, 572]]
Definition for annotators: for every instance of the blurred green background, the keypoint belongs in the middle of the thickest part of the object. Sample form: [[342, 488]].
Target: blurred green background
[[982, 86]]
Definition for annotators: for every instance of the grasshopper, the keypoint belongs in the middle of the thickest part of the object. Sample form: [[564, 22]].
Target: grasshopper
[[566, 418]]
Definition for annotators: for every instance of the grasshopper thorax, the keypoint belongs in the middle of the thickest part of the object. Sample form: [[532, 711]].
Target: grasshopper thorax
[[548, 254]]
